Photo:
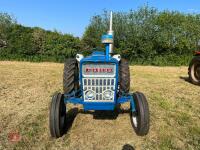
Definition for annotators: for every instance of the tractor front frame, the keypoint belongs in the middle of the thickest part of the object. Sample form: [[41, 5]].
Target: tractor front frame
[[72, 98]]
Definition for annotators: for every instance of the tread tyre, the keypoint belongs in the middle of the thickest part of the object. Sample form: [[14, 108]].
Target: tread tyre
[[124, 76], [140, 117], [70, 76], [194, 70], [57, 116]]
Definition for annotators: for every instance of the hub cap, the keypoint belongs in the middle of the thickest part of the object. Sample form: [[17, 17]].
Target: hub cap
[[135, 119]]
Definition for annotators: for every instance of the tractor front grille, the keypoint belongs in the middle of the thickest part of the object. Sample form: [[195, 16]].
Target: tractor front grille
[[99, 87], [99, 81]]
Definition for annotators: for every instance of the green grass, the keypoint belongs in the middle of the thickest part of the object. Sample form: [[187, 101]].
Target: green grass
[[25, 94]]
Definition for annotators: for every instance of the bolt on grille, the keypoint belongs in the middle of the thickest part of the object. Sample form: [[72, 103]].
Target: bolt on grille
[[98, 87]]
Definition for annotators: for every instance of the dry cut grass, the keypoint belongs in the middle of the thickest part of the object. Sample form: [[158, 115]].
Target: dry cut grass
[[25, 94]]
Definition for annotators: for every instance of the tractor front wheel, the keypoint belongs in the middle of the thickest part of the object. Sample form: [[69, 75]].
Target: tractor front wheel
[[140, 117], [57, 115], [194, 70]]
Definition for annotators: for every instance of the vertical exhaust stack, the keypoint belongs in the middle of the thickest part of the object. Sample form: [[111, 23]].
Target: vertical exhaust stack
[[111, 32]]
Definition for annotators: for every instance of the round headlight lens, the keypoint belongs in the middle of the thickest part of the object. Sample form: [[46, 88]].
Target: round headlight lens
[[108, 94], [90, 94]]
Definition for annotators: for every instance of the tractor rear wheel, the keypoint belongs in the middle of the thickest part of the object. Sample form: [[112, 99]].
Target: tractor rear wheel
[[140, 117], [124, 76], [70, 76], [194, 70], [57, 115]]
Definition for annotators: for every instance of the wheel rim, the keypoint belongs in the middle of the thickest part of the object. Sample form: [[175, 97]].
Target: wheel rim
[[135, 119]]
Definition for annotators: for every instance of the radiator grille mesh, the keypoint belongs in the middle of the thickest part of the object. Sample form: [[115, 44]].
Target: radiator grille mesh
[[98, 86]]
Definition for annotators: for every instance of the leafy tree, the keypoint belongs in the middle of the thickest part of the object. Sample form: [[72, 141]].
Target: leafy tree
[[147, 35], [19, 42], [5, 22]]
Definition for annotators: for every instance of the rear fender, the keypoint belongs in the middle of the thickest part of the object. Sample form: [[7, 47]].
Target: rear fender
[[197, 53]]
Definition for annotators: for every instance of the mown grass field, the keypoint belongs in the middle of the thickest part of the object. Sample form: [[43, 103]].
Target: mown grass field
[[25, 94]]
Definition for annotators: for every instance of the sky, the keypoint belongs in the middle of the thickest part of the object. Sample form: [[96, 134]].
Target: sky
[[73, 16]]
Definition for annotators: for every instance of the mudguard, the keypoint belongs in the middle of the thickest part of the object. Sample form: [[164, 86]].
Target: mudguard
[[197, 53]]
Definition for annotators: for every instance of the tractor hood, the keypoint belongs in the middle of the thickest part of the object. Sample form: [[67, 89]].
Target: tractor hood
[[98, 56]]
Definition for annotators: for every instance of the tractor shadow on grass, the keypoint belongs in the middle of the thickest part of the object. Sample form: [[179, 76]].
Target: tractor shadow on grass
[[70, 116], [109, 115], [105, 114], [185, 79], [101, 115]]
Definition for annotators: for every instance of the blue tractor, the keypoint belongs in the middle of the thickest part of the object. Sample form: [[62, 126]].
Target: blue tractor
[[100, 81]]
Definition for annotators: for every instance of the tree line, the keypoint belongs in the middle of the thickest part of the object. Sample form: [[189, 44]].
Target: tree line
[[144, 36], [34, 44]]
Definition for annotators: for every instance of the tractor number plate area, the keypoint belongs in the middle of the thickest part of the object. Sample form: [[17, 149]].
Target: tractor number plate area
[[99, 82], [99, 70]]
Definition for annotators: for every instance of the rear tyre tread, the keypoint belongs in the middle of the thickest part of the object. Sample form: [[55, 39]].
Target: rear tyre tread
[[124, 76], [70, 76], [195, 60]]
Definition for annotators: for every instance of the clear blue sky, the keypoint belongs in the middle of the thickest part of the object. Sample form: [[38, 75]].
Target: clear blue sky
[[72, 16]]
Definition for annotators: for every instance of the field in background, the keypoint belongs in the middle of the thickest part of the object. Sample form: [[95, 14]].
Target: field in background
[[25, 94]]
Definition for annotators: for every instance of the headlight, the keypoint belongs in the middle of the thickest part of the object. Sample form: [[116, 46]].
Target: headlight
[[108, 94], [90, 95]]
